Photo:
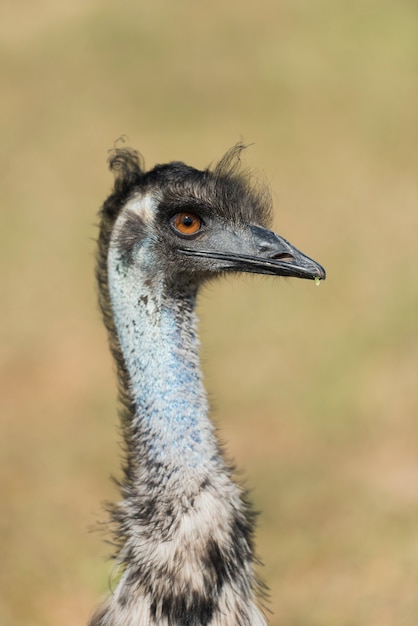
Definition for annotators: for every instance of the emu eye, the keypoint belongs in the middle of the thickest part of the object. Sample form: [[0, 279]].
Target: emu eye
[[186, 223]]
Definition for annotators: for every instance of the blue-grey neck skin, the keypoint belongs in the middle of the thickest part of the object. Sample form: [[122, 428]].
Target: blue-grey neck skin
[[157, 336], [183, 526]]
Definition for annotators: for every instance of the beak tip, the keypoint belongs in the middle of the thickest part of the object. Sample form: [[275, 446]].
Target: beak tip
[[321, 274]]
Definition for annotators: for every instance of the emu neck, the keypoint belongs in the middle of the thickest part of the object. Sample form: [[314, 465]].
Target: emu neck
[[157, 335], [183, 528]]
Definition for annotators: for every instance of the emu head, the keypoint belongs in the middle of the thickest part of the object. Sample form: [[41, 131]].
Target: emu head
[[179, 226]]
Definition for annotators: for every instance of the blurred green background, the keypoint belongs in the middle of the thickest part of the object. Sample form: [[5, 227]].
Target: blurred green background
[[315, 390]]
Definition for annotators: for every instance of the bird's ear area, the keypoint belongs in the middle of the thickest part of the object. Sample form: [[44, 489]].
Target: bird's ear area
[[130, 234]]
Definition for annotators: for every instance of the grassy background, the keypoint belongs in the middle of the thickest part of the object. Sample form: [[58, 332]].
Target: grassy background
[[315, 389]]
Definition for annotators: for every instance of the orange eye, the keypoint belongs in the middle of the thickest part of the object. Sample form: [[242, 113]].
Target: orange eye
[[187, 223]]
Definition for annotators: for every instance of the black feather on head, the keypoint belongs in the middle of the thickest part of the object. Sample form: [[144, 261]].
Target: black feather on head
[[241, 197], [226, 189]]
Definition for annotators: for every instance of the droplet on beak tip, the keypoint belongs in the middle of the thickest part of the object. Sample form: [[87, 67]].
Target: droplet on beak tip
[[317, 281]]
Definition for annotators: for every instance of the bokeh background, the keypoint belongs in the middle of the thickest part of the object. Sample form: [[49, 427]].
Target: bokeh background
[[315, 390]]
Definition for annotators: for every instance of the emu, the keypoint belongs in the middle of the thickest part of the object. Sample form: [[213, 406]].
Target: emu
[[183, 528]]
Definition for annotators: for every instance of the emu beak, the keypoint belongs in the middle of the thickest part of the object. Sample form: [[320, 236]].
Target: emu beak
[[277, 256], [256, 250]]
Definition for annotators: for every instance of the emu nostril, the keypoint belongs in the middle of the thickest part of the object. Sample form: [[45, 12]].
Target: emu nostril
[[283, 256]]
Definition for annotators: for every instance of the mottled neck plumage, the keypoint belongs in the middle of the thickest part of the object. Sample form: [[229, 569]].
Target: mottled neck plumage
[[183, 528]]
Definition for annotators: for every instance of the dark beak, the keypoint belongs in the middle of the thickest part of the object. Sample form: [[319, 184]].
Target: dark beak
[[261, 251], [277, 256]]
